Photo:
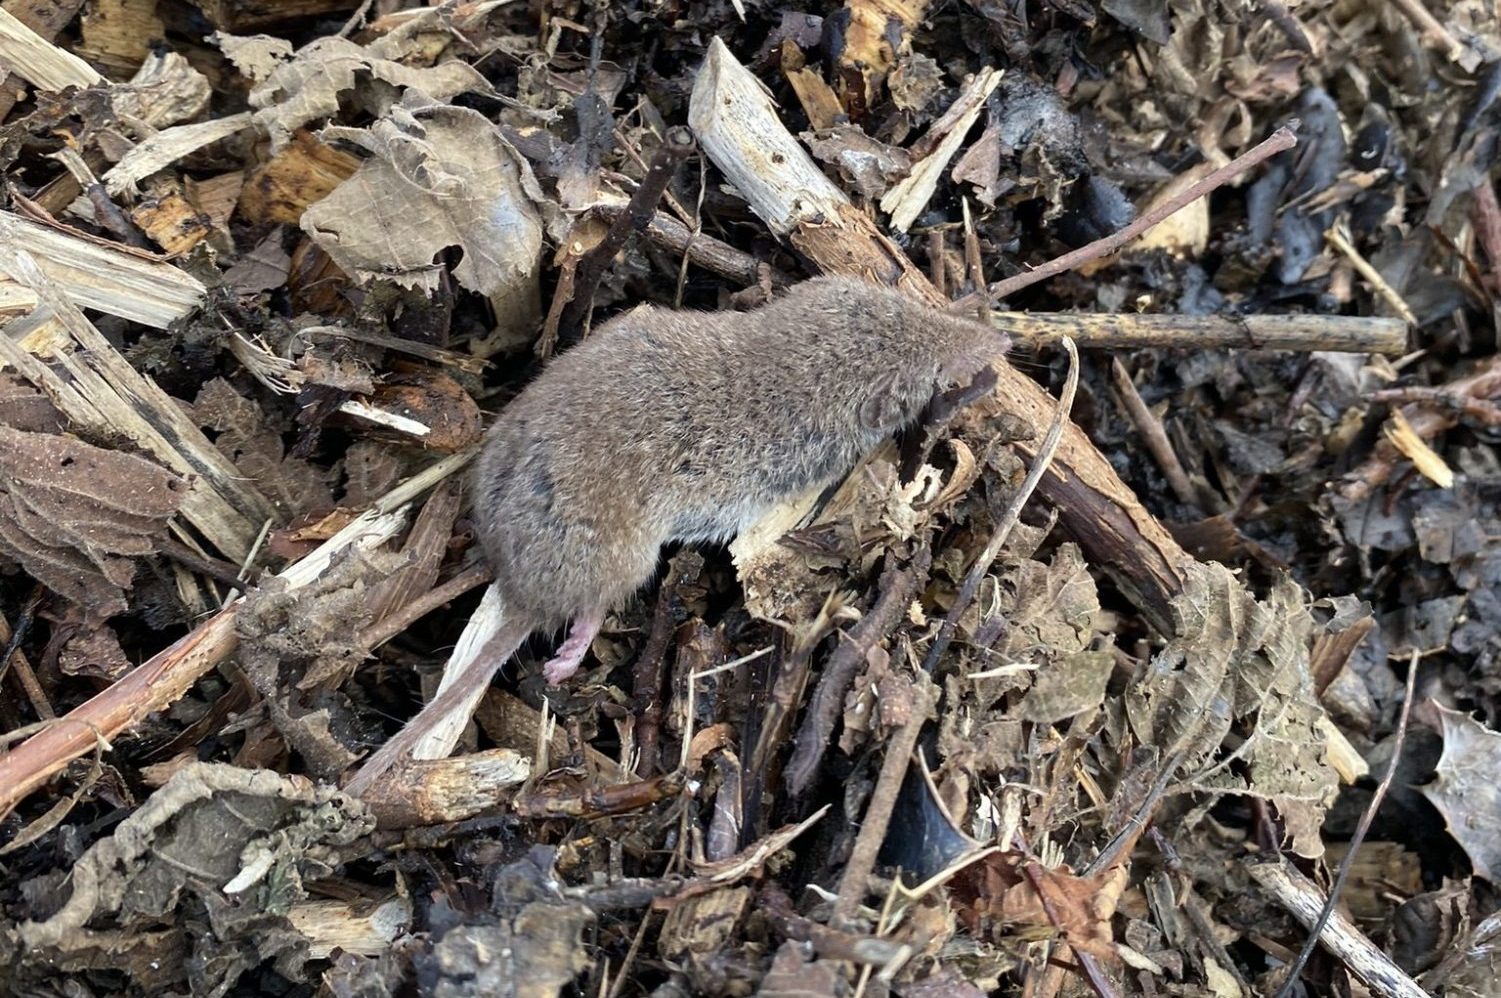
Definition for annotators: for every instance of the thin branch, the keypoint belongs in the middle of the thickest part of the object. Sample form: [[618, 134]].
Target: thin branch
[[677, 146], [1279, 141], [1009, 518], [1314, 934]]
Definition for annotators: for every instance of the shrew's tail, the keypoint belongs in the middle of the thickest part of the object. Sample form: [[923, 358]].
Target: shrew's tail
[[458, 695]]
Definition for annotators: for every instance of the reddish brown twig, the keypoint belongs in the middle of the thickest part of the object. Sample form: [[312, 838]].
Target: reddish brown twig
[[1488, 230], [899, 584], [648, 673], [570, 321], [1481, 410], [388, 627], [1280, 140]]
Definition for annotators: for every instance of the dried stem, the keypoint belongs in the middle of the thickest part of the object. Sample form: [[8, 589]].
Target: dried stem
[[899, 584], [1314, 934], [1280, 140], [986, 558], [637, 216]]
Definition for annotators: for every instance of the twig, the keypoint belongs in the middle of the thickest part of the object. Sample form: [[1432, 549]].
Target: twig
[[1433, 33], [1280, 140], [1481, 410], [987, 556], [1488, 229], [1483, 381], [220, 571], [1378, 283], [1326, 333], [677, 146], [1194, 907], [714, 255], [852, 885], [379, 633], [899, 583], [1317, 932], [972, 260], [831, 944], [647, 674], [13, 656], [1152, 434], [1304, 900], [937, 265], [48, 21], [356, 19]]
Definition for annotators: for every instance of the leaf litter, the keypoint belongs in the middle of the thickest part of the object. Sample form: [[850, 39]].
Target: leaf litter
[[375, 220]]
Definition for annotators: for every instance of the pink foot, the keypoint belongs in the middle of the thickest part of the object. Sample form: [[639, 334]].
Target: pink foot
[[565, 662]]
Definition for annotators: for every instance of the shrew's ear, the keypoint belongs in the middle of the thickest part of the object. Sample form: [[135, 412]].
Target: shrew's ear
[[890, 401], [958, 368]]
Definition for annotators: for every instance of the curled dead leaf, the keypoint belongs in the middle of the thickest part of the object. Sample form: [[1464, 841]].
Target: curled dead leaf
[[72, 514]]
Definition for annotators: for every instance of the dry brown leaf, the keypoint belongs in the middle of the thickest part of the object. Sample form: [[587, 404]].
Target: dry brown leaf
[[306, 86], [1467, 792], [69, 511], [439, 176], [1053, 608], [24, 407], [264, 268], [981, 166], [1069, 686], [1012, 890], [1234, 658], [242, 435], [94, 652]]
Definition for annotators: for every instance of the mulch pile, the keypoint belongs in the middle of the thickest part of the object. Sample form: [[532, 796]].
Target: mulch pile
[[267, 270]]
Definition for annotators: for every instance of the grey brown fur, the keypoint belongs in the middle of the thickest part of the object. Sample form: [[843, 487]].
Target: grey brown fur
[[689, 426]]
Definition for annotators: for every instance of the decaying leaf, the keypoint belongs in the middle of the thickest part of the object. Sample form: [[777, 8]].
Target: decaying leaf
[[256, 448], [1466, 790], [1010, 889], [306, 86], [438, 176], [1236, 659], [235, 845], [94, 652], [74, 514], [870, 166], [793, 976], [298, 645], [531, 947]]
